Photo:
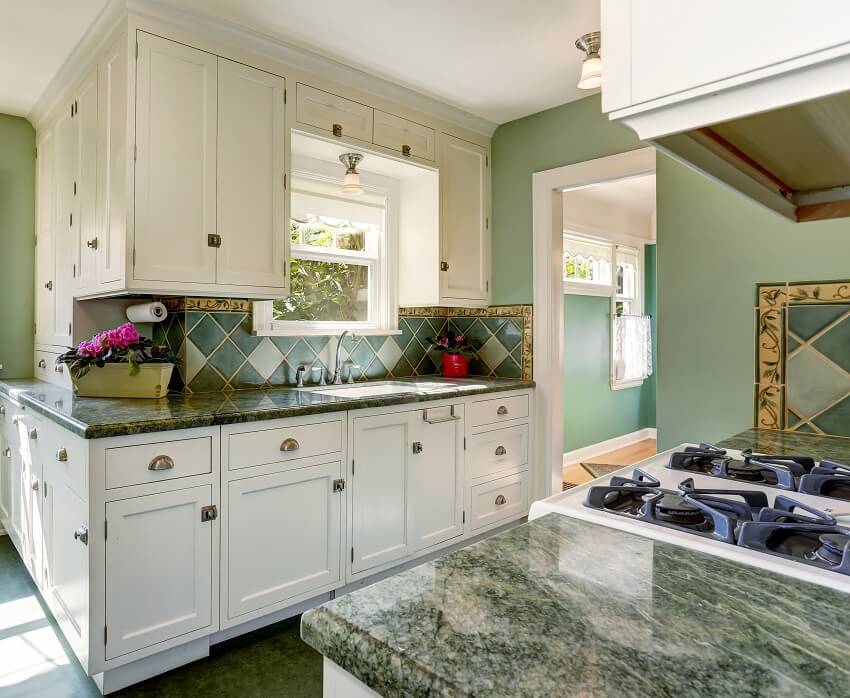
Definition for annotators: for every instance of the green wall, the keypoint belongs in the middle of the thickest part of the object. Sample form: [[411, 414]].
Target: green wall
[[17, 228], [592, 411], [714, 245]]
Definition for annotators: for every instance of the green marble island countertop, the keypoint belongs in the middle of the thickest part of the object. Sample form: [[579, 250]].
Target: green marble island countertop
[[562, 607], [834, 448], [94, 418]]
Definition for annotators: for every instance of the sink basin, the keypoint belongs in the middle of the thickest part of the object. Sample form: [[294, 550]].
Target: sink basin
[[365, 390]]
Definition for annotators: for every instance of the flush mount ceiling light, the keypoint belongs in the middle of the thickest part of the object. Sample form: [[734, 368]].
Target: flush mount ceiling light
[[591, 66], [351, 180]]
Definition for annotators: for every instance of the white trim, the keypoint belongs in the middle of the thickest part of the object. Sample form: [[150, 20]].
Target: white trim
[[603, 447], [548, 227]]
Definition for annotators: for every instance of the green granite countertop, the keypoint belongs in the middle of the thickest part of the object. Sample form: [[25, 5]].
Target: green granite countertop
[[820, 447], [561, 607], [94, 418]]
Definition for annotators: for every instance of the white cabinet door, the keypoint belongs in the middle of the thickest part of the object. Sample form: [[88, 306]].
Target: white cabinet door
[[282, 537], [5, 481], [112, 157], [436, 477], [65, 229], [27, 507], [158, 568], [175, 202], [341, 117], [464, 221], [250, 205], [85, 184], [66, 555], [380, 522], [45, 225]]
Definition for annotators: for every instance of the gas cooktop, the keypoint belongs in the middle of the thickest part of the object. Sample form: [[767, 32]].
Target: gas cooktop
[[787, 513]]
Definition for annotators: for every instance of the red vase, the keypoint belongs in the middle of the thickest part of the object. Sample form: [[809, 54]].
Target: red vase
[[455, 366]]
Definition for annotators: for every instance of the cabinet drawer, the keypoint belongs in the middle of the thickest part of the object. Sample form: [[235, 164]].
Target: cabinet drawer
[[65, 457], [46, 369], [283, 444], [496, 451], [165, 460], [498, 500], [328, 111], [503, 409], [407, 137]]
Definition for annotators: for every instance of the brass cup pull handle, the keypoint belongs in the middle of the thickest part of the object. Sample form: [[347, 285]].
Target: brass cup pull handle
[[337, 130], [161, 463], [289, 445], [501, 451], [501, 500], [42, 363], [33, 434], [62, 455], [82, 535], [502, 411]]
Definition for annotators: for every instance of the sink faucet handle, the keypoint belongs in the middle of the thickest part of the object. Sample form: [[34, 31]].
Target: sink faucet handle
[[351, 367], [299, 376], [321, 374]]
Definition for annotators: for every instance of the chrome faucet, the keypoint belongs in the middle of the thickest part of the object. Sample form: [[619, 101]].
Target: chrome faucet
[[337, 368]]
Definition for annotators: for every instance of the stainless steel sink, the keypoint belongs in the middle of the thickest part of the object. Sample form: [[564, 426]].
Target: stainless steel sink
[[379, 388]]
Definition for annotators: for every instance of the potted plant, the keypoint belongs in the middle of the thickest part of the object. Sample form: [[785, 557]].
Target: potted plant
[[456, 352], [119, 363]]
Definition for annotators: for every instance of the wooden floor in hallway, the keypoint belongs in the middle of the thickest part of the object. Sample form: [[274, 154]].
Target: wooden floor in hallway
[[577, 474]]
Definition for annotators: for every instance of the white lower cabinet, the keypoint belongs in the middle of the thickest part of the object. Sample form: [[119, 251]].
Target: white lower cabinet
[[407, 483], [158, 568], [282, 537]]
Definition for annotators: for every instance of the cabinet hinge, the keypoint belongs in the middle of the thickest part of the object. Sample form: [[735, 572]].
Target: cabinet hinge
[[486, 161], [105, 634], [352, 467], [137, 50], [284, 181], [352, 553], [45, 490], [69, 329], [487, 284], [135, 152], [464, 517], [339, 485], [134, 256], [71, 220], [75, 188], [464, 443], [487, 223], [284, 95], [105, 530], [74, 270]]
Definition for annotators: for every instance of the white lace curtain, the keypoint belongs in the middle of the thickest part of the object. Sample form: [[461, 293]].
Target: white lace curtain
[[632, 347]]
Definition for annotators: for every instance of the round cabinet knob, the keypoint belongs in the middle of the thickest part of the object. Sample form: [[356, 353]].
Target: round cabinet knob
[[33, 433], [2, 410], [161, 463], [34, 486], [501, 500], [92, 244], [289, 445], [502, 411], [405, 150], [7, 453], [337, 130], [82, 535], [59, 368], [501, 451], [49, 285], [42, 363], [62, 455]]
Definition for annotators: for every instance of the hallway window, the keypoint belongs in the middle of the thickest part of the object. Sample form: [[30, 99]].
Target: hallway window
[[586, 261]]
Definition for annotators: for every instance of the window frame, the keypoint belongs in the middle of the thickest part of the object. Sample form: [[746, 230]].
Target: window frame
[[325, 179], [578, 288]]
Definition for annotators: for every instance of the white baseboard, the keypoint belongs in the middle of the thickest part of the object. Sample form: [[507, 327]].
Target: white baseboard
[[594, 450]]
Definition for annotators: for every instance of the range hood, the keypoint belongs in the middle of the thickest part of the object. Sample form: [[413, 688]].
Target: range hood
[[795, 160], [750, 95]]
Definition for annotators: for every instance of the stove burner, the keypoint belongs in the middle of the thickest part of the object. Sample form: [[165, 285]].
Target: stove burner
[[676, 509], [831, 548], [746, 471]]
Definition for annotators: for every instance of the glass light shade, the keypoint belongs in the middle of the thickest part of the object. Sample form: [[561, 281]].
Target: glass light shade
[[591, 73], [351, 184]]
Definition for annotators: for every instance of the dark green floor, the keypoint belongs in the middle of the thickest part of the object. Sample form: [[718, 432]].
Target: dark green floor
[[268, 662]]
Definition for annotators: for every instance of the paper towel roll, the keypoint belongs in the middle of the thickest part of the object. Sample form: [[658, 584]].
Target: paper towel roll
[[147, 312]]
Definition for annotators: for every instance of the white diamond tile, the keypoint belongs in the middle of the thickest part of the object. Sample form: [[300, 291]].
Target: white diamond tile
[[493, 352], [265, 358], [389, 353]]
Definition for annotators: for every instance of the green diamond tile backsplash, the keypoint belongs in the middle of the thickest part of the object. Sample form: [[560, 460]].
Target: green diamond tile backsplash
[[218, 351]]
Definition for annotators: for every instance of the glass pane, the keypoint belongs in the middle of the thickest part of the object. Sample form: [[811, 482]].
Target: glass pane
[[351, 239], [326, 291], [587, 261], [294, 233], [318, 235]]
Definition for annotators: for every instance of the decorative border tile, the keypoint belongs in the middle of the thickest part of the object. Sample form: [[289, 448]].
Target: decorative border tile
[[220, 305], [773, 301]]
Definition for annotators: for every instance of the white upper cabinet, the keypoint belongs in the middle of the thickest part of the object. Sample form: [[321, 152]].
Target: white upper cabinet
[[405, 136], [251, 196], [175, 187], [45, 222], [465, 221], [85, 184], [65, 227], [340, 117]]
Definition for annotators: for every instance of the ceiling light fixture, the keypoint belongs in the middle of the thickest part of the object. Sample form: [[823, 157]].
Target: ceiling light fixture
[[591, 65], [351, 180]]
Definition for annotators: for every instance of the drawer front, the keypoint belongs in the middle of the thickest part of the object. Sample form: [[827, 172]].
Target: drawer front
[[327, 111], [499, 500], [407, 137], [283, 444], [496, 451], [165, 460], [66, 457], [503, 409], [46, 369]]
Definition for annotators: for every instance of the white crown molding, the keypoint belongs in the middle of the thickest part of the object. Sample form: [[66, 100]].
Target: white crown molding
[[111, 17], [298, 57]]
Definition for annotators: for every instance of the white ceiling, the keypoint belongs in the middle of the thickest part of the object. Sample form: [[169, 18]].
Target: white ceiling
[[497, 59], [36, 37], [624, 205]]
